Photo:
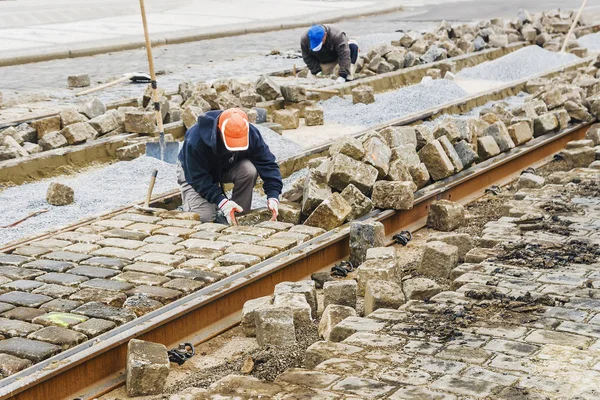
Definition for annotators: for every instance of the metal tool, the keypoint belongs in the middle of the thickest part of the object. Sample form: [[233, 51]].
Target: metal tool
[[402, 238], [146, 207], [138, 77], [181, 354], [33, 214], [162, 150]]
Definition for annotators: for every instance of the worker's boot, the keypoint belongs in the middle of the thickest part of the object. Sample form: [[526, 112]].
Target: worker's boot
[[352, 72]]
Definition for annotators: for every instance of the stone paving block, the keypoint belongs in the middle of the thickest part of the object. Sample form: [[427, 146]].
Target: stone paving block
[[248, 314], [278, 244], [311, 231], [381, 253], [388, 315], [465, 386], [249, 230], [148, 229], [420, 288], [112, 224], [174, 231], [405, 376], [438, 366], [296, 236], [102, 311], [207, 254], [63, 279], [239, 239], [83, 248], [419, 393], [274, 326], [94, 272], [161, 248], [465, 354], [5, 307], [32, 350], [580, 328], [237, 386], [373, 340], [503, 379], [581, 304], [445, 215], [511, 347], [438, 259], [64, 320], [435, 159], [550, 386], [204, 235], [393, 195], [106, 284], [331, 213], [306, 287], [211, 227], [162, 294], [332, 315], [376, 269], [558, 338], [31, 251], [308, 378], [513, 332], [296, 302], [566, 313], [382, 294], [10, 365], [169, 260], [421, 347], [137, 218], [321, 351], [148, 268], [22, 285], [106, 262], [341, 293], [182, 215], [26, 314], [139, 278], [351, 325], [199, 263], [24, 299], [15, 260], [463, 241], [116, 252], [19, 273], [140, 304], [238, 259], [364, 388], [218, 245], [122, 243], [184, 285], [94, 327], [108, 297], [208, 277], [253, 250], [78, 237], [364, 235], [147, 368], [49, 265], [275, 225], [16, 328], [163, 239], [66, 256], [125, 234], [60, 305]]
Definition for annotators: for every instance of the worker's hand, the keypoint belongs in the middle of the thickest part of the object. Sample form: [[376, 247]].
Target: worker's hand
[[340, 79], [229, 208], [273, 205]]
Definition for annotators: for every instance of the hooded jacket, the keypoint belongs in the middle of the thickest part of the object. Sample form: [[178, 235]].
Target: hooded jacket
[[205, 159], [334, 49]]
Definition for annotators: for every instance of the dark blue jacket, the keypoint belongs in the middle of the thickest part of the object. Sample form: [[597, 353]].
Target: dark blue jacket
[[205, 159]]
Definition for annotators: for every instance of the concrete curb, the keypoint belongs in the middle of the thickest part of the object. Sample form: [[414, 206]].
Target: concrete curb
[[130, 43]]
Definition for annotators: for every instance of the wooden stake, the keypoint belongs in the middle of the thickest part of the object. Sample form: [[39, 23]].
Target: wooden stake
[[564, 46]]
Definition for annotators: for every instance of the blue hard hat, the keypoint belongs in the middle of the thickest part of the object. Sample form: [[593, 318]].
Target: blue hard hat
[[316, 33]]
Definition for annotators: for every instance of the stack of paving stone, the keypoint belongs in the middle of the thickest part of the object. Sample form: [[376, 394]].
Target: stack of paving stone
[[506, 329], [58, 292]]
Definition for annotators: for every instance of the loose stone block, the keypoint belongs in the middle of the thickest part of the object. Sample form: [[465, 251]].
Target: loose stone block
[[359, 203], [59, 194], [435, 159], [378, 155], [288, 119], [445, 215], [463, 241], [65, 338], [451, 153], [382, 294], [465, 386], [393, 195], [420, 288], [76, 81], [580, 157], [78, 133], [363, 94], [141, 122], [267, 88], [530, 181], [108, 297], [275, 326], [10, 365], [290, 212], [439, 259], [315, 192], [293, 93], [321, 351], [364, 235], [147, 368], [32, 350], [102, 311], [330, 214], [345, 171], [377, 269], [348, 146], [500, 134], [238, 259], [24, 299], [70, 116], [52, 140], [15, 328], [93, 108], [47, 125], [341, 293], [544, 123], [396, 136], [467, 155], [351, 325], [520, 132], [248, 314], [300, 308], [94, 327], [487, 147], [333, 315], [420, 175], [306, 287]]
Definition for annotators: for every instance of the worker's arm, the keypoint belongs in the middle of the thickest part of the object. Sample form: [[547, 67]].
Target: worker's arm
[[340, 43], [260, 155], [311, 61], [197, 175]]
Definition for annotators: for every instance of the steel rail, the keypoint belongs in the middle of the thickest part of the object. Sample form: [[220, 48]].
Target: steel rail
[[72, 372]]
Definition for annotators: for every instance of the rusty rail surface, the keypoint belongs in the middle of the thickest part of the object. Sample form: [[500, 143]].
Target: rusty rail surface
[[75, 371]]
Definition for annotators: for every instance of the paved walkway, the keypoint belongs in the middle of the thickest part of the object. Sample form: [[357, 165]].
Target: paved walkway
[[34, 27]]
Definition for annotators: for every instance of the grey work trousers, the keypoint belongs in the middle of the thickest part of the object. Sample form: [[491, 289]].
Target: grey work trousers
[[243, 175]]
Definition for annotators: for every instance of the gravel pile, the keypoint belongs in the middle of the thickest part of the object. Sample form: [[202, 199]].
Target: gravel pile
[[281, 147], [390, 105], [591, 42], [259, 199], [520, 64]]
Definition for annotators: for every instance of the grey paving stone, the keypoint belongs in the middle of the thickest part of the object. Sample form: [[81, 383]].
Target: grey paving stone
[[320, 351], [511, 347], [205, 254], [419, 393], [584, 304], [503, 379], [60, 305], [54, 244], [93, 272], [63, 279], [49, 265], [554, 387], [26, 314], [5, 307], [108, 297], [388, 315], [566, 313], [148, 268], [102, 311], [122, 243], [170, 260], [106, 262], [16, 328], [31, 251], [308, 378], [207, 277], [465, 354], [65, 338], [55, 291], [32, 350], [10, 365], [405, 376], [22, 285], [139, 278], [61, 319], [24, 299], [163, 239], [465, 386], [421, 347], [364, 388], [94, 327], [438, 366], [116, 252], [158, 293], [107, 284], [19, 273], [560, 338], [373, 340], [184, 285], [580, 328], [351, 325], [66, 256], [513, 332], [511, 363], [12, 259]]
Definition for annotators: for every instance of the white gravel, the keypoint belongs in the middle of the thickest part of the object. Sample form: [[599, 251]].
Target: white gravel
[[391, 105], [591, 42], [281, 147], [520, 64]]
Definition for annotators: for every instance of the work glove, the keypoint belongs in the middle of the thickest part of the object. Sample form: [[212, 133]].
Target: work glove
[[229, 208], [273, 205], [341, 79], [319, 74]]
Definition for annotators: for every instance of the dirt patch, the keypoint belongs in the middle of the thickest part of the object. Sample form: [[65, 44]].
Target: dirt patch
[[550, 256], [484, 210]]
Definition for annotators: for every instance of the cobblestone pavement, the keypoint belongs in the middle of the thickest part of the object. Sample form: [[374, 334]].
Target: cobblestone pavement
[[511, 327], [61, 291]]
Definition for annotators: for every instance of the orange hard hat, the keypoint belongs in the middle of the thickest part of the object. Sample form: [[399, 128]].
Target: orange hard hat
[[234, 126]]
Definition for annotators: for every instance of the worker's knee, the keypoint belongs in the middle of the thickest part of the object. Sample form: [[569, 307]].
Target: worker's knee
[[246, 172]]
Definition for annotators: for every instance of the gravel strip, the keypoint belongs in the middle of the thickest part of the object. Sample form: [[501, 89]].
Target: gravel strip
[[391, 105], [520, 64], [281, 147], [591, 42]]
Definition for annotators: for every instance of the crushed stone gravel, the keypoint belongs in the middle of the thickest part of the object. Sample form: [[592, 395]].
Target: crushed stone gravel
[[520, 64], [391, 105]]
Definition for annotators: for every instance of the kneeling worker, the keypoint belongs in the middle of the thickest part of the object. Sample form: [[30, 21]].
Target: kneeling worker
[[324, 47], [224, 147]]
